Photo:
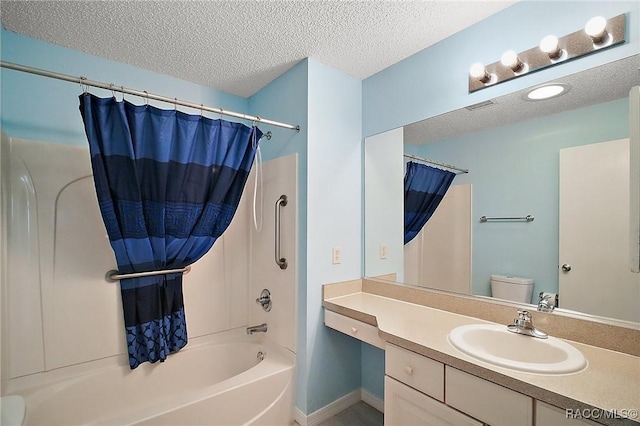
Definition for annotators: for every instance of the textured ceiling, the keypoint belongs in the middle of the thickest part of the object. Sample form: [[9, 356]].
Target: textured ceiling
[[600, 84], [240, 46]]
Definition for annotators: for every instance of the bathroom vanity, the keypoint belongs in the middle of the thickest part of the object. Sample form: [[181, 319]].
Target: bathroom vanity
[[429, 381]]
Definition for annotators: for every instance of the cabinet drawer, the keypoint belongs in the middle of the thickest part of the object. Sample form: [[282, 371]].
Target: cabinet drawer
[[354, 328], [491, 403], [417, 371], [406, 406]]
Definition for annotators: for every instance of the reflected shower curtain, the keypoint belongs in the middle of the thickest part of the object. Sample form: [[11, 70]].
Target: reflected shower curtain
[[424, 188], [168, 185]]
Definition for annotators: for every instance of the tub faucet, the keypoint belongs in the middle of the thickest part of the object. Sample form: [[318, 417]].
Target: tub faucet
[[262, 328], [524, 325]]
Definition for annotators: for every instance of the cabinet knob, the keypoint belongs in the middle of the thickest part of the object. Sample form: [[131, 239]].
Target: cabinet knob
[[408, 370], [354, 330]]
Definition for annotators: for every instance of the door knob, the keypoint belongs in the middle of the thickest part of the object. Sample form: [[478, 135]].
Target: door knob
[[566, 267]]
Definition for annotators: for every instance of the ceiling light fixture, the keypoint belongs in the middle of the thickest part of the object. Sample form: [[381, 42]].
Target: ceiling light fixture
[[547, 91], [599, 33]]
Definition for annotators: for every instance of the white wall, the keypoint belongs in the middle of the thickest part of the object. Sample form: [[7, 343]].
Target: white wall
[[384, 201]]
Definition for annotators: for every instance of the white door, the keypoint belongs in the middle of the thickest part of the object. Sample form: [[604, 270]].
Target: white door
[[595, 276]]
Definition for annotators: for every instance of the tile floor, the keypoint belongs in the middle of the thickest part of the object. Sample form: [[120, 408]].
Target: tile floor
[[359, 414]]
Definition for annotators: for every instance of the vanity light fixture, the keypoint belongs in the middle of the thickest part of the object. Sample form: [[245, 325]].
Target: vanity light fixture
[[547, 91], [598, 34]]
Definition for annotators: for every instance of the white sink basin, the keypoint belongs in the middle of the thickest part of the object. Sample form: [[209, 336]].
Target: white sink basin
[[496, 345]]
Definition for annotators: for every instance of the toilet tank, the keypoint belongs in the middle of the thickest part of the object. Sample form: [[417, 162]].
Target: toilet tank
[[516, 289]]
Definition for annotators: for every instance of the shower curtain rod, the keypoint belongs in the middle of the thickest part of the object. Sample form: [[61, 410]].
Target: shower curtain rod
[[143, 94], [448, 166]]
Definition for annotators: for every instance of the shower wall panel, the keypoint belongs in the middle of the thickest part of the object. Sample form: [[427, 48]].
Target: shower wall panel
[[280, 178], [60, 309]]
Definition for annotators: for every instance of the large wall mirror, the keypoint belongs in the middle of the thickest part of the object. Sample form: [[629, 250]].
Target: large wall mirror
[[569, 162]]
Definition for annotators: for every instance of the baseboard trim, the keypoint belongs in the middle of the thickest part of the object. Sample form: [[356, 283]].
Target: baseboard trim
[[372, 400], [299, 418], [337, 406]]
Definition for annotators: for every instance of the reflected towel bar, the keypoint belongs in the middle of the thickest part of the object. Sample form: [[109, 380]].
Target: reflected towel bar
[[527, 218], [113, 275]]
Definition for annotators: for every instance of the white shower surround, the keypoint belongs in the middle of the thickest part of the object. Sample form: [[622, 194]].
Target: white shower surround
[[61, 318]]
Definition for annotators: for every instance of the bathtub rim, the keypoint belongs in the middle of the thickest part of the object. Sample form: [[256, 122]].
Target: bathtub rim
[[276, 363], [30, 382]]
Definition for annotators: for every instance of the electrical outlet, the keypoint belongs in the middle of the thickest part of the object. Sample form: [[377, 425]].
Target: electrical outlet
[[336, 255], [383, 251]]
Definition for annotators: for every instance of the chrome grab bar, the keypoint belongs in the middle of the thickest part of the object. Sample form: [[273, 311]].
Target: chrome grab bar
[[280, 261], [113, 275]]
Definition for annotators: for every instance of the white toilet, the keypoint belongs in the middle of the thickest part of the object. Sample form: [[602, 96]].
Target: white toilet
[[12, 410], [515, 289]]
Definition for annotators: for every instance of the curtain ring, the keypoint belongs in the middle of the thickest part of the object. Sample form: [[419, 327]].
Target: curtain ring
[[113, 92], [122, 87], [175, 104], [83, 85], [201, 110], [220, 113], [146, 97]]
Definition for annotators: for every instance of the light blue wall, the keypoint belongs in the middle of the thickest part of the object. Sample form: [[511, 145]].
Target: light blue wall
[[327, 105], [285, 99], [372, 366], [435, 80], [514, 171], [39, 108], [334, 212]]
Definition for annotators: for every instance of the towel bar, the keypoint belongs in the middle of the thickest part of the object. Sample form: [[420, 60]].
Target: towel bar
[[527, 218]]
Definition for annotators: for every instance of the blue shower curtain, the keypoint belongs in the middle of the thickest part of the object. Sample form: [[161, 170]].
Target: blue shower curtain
[[424, 188], [168, 185]]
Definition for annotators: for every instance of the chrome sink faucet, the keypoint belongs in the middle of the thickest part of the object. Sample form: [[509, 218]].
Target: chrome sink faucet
[[547, 302], [524, 325], [262, 328]]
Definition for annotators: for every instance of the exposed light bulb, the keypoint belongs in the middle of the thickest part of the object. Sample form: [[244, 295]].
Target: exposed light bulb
[[596, 28], [510, 59], [478, 71], [549, 45]]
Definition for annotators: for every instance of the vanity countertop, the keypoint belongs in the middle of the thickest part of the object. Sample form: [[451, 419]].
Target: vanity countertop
[[611, 380]]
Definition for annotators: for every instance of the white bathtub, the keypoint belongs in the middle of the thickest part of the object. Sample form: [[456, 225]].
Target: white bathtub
[[207, 383]]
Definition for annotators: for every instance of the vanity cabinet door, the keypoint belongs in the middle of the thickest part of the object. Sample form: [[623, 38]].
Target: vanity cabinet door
[[406, 406], [547, 415], [489, 402]]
